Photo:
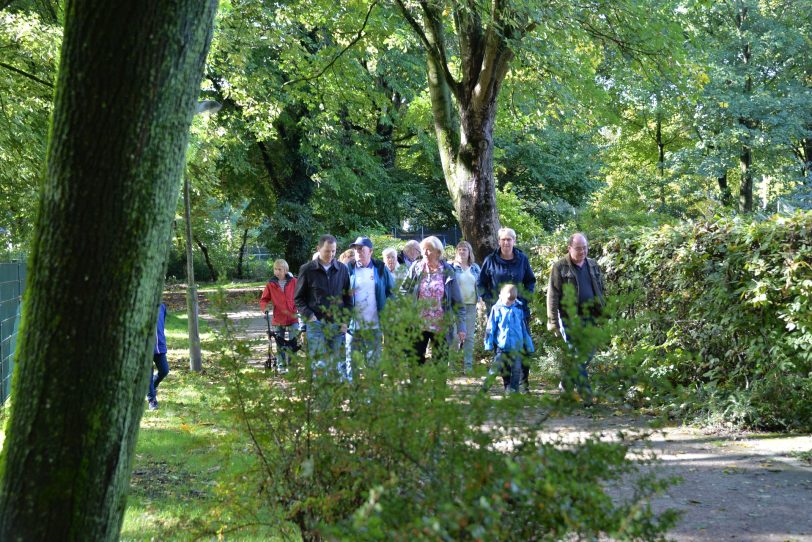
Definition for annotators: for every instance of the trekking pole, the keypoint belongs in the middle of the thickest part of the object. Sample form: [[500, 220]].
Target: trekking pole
[[270, 363]]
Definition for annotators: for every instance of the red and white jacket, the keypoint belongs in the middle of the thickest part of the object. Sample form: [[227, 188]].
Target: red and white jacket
[[284, 309]]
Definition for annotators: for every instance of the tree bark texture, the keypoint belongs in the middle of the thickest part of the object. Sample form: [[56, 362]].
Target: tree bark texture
[[126, 92], [464, 111]]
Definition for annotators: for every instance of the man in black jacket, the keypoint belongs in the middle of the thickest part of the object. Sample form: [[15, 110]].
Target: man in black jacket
[[323, 299]]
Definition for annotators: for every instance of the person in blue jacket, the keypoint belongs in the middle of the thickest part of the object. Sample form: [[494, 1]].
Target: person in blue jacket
[[508, 264], [506, 332], [371, 284], [158, 359]]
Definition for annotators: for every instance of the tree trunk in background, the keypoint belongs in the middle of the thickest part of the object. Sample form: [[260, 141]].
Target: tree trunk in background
[[746, 154], [126, 92], [241, 257], [724, 190], [192, 313], [205, 251], [660, 157]]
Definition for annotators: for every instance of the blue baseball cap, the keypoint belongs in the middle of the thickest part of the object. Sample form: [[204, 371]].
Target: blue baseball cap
[[362, 242]]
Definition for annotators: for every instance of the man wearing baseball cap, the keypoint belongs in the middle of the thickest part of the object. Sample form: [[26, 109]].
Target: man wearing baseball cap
[[371, 284]]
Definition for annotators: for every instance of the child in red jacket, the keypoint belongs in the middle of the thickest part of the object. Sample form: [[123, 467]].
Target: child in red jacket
[[285, 323]]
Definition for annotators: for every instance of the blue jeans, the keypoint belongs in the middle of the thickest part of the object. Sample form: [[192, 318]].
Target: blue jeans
[[365, 344], [468, 343], [159, 360], [510, 366], [325, 346]]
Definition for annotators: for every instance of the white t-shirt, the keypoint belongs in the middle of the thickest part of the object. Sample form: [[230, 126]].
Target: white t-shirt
[[467, 286], [365, 302]]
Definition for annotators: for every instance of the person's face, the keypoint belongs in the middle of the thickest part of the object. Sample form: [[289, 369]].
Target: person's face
[[327, 252], [506, 243], [578, 250], [430, 253], [363, 254], [462, 254], [391, 261], [413, 252], [279, 272]]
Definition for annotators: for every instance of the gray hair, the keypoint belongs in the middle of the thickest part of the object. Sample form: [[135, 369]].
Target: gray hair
[[507, 232], [387, 251], [435, 243]]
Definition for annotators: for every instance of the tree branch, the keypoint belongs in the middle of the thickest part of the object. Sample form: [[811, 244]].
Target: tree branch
[[436, 35], [26, 74], [356, 39]]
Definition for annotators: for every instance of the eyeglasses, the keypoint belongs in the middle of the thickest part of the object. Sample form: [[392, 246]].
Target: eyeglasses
[[579, 248]]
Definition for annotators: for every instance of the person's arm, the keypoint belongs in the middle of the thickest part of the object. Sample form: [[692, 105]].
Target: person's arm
[[266, 297], [457, 306], [347, 296], [300, 296], [410, 281], [490, 330], [553, 301], [389, 282], [529, 280], [485, 285], [528, 339]]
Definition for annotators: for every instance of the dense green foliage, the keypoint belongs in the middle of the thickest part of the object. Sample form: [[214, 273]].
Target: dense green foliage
[[400, 455], [712, 318]]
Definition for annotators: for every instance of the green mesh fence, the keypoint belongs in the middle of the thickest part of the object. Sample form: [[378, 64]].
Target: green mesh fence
[[12, 284]]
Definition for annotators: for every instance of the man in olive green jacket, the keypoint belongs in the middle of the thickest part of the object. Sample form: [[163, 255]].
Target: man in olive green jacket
[[587, 281]]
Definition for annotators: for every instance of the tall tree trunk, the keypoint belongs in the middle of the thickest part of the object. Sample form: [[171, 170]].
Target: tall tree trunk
[[746, 154], [746, 188], [660, 157], [724, 190], [242, 253], [465, 111], [126, 91], [205, 251]]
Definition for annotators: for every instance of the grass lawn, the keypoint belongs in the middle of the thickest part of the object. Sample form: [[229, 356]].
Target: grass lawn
[[186, 450]]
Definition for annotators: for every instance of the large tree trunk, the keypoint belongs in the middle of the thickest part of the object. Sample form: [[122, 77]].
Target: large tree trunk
[[472, 184], [465, 139], [128, 81]]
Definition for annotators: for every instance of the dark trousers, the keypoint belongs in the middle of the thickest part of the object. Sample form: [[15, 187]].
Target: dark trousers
[[439, 345], [159, 360]]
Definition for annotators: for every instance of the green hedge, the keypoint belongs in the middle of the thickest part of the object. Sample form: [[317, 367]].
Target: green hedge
[[712, 317]]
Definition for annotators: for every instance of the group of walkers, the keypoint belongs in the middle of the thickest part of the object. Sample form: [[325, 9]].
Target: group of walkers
[[327, 290]]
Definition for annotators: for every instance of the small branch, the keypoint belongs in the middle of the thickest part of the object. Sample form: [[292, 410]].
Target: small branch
[[355, 40], [26, 74]]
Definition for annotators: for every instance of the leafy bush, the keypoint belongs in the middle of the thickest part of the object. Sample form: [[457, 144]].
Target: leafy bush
[[714, 317], [400, 455]]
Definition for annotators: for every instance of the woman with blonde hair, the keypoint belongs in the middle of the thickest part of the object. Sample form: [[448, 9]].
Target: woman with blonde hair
[[467, 271], [433, 281]]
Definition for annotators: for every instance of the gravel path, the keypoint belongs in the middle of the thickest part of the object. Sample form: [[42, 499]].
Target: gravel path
[[735, 486]]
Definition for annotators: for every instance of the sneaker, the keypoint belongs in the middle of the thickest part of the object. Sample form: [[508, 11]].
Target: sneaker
[[153, 404]]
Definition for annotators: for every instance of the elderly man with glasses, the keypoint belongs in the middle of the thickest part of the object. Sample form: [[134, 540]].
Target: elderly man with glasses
[[574, 302]]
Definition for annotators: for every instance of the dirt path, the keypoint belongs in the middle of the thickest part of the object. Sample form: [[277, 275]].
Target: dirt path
[[736, 486]]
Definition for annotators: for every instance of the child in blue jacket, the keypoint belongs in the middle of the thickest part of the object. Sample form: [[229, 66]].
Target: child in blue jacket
[[506, 332]]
